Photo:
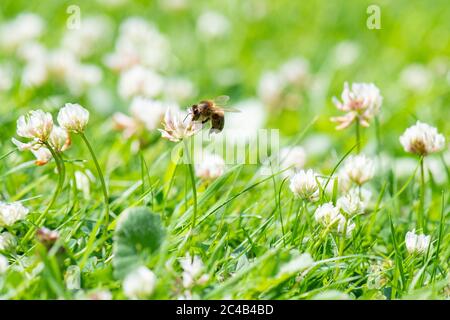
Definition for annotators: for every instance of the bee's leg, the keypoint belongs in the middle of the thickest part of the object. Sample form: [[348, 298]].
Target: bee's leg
[[213, 131], [205, 121]]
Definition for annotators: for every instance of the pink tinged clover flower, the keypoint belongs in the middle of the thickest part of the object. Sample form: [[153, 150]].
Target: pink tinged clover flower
[[362, 103], [36, 125], [175, 129], [59, 139]]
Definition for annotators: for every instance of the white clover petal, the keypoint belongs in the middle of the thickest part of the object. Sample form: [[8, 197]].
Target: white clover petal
[[140, 283], [73, 117], [422, 139]]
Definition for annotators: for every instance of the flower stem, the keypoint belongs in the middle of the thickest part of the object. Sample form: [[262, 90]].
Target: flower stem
[[61, 172], [194, 189], [358, 137], [90, 243], [421, 209], [100, 175], [60, 167]]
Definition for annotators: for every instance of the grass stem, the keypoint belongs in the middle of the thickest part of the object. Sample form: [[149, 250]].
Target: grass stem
[[194, 188], [105, 216]]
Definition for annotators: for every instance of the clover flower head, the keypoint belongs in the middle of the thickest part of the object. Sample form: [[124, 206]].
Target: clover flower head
[[140, 283], [422, 139], [177, 129], [59, 139], [192, 271], [354, 201], [10, 213], [417, 243], [304, 185], [362, 102], [36, 124], [73, 117], [359, 169], [209, 166]]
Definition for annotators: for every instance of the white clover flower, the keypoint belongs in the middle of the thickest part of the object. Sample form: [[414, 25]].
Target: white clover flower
[[6, 78], [362, 103], [244, 126], [326, 187], [23, 28], [4, 264], [128, 125], [85, 76], [83, 182], [293, 158], [416, 77], [178, 89], [211, 25], [140, 283], [417, 243], [354, 202], [32, 51], [42, 154], [297, 264], [37, 125], [35, 74], [149, 112], [139, 43], [270, 87], [59, 139], [345, 53], [62, 64], [317, 144], [327, 214], [304, 185], [10, 213], [359, 169], [209, 166], [350, 203], [345, 225], [139, 81], [341, 178], [295, 71], [85, 40], [192, 271], [175, 129], [422, 139], [145, 113], [73, 117], [102, 294], [7, 240]]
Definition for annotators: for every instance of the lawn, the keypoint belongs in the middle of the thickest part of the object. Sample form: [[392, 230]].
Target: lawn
[[329, 180]]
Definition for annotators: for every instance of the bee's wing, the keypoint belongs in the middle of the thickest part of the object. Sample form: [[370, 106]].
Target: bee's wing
[[228, 109], [221, 100]]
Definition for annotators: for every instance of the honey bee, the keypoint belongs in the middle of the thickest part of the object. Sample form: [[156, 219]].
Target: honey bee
[[212, 110]]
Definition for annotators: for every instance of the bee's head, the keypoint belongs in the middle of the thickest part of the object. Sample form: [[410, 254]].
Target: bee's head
[[195, 112]]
